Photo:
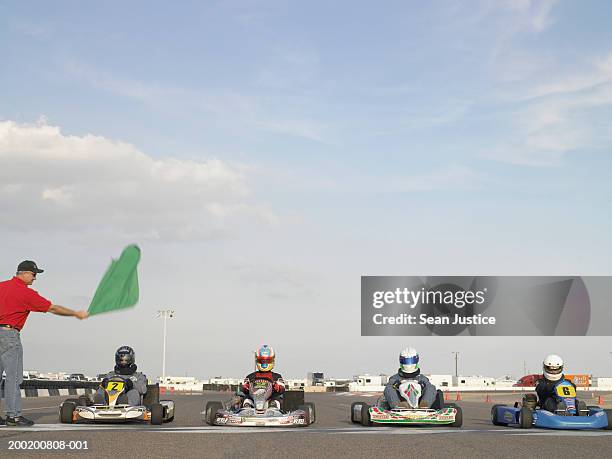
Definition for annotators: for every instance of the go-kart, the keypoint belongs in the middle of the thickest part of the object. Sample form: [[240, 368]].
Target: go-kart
[[570, 414], [263, 413], [115, 408], [380, 413]]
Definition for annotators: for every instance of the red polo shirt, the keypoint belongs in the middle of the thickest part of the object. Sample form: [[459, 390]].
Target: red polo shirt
[[17, 300]]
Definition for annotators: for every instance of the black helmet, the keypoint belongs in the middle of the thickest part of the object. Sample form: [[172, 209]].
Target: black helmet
[[125, 360]]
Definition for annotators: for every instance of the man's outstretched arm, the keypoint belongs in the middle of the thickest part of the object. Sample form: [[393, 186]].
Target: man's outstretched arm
[[64, 311]]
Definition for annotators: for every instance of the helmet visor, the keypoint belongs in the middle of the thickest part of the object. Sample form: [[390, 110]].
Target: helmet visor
[[125, 359], [553, 369], [412, 360]]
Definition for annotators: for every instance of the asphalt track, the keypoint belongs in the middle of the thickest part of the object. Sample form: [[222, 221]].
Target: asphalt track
[[333, 435]]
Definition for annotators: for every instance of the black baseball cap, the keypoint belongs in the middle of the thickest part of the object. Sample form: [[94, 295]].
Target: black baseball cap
[[29, 265]]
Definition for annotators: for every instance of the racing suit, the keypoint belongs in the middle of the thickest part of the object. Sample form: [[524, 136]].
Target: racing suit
[[545, 389], [391, 393], [278, 384], [137, 381]]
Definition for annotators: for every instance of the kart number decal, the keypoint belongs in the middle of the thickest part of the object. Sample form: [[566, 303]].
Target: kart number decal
[[114, 385], [221, 421], [566, 391], [299, 421]]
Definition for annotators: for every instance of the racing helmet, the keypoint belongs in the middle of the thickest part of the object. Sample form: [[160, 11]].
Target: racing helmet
[[125, 357], [264, 358], [553, 367], [409, 360]]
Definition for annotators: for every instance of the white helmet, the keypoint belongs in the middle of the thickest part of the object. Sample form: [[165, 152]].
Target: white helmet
[[553, 367], [409, 360]]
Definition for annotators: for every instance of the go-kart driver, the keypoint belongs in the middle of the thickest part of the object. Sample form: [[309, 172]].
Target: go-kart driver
[[552, 369], [264, 359], [409, 370], [125, 368]]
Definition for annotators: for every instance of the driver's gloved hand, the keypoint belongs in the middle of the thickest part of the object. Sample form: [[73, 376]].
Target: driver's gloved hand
[[423, 404], [277, 387], [237, 402], [129, 385], [104, 382]]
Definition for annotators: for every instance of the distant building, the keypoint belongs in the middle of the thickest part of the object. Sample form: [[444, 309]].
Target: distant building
[[473, 381], [315, 379], [179, 380], [296, 384], [441, 381]]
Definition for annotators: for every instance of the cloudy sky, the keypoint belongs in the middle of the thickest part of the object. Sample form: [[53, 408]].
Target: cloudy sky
[[266, 154]]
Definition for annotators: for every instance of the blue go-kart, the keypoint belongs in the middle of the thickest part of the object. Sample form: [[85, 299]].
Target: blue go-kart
[[570, 414]]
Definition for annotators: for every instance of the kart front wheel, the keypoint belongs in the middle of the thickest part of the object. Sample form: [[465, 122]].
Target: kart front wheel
[[526, 418], [66, 412], [211, 412], [313, 412], [458, 417], [609, 416], [307, 412], [157, 414], [366, 420], [494, 419], [356, 408]]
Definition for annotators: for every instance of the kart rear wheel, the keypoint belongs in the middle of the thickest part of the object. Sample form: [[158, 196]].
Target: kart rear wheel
[[526, 418], [211, 412], [366, 420], [609, 416], [458, 417], [494, 418], [157, 414], [66, 412], [84, 400]]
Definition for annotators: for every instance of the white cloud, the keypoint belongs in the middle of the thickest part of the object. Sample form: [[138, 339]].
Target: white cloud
[[55, 181], [534, 15], [558, 115], [224, 107]]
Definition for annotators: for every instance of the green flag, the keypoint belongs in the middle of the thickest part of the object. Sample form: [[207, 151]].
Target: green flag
[[119, 286]]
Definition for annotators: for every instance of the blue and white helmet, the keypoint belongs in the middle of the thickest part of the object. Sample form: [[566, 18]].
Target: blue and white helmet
[[409, 360]]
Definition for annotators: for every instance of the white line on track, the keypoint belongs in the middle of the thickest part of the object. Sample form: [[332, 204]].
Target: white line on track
[[40, 408], [300, 430]]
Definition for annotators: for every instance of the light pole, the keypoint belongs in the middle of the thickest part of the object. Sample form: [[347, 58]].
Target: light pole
[[456, 363], [165, 313]]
